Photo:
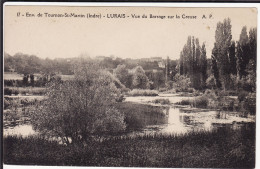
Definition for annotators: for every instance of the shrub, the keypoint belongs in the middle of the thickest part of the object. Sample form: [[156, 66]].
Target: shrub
[[120, 98], [7, 103], [162, 101], [242, 95], [162, 89], [196, 93], [169, 85], [7, 91], [140, 80], [249, 103], [171, 91], [211, 82], [181, 82], [184, 102], [81, 108], [200, 102], [191, 90], [140, 92]]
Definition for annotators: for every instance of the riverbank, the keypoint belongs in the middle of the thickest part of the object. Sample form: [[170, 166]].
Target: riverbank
[[221, 148]]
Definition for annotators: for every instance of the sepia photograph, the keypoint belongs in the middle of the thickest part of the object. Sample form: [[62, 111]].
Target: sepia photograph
[[135, 86]]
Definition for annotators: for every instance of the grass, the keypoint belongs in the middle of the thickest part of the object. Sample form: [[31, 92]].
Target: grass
[[222, 148], [24, 90], [141, 92]]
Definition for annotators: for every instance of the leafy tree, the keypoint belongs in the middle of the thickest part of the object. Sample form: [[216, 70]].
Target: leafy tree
[[121, 72], [81, 108], [203, 65], [158, 79], [181, 82], [32, 79], [232, 58], [140, 80], [220, 53], [251, 67], [193, 62], [243, 52]]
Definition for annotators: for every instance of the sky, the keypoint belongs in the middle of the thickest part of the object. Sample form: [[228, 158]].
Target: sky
[[68, 37]]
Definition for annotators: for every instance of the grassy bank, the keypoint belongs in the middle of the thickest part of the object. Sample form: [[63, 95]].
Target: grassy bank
[[142, 92], [223, 148]]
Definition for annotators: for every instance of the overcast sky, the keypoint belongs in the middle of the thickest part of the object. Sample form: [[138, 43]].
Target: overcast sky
[[62, 37]]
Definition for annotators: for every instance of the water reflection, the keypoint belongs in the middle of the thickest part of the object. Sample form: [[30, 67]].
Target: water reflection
[[181, 121], [175, 120], [20, 130]]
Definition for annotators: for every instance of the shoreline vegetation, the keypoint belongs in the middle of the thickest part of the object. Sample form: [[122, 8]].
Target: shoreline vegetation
[[222, 148]]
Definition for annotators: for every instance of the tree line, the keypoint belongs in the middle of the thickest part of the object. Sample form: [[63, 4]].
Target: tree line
[[193, 62], [232, 65]]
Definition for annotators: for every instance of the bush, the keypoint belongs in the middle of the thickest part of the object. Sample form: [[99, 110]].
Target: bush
[[211, 82], [181, 83], [196, 93], [140, 80], [81, 108], [162, 101], [140, 92], [191, 90], [184, 102], [7, 103], [200, 102], [242, 96], [162, 89], [248, 103], [120, 98], [7, 91]]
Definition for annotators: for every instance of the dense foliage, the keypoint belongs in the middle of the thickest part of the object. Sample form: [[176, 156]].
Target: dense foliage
[[193, 62], [80, 108], [230, 59]]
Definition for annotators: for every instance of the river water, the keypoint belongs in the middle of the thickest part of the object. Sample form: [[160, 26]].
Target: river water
[[184, 119], [178, 120]]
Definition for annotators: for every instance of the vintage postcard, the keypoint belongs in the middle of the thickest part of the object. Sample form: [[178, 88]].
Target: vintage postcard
[[129, 86]]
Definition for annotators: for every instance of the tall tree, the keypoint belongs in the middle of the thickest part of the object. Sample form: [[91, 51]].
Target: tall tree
[[220, 53], [251, 67], [214, 66], [192, 61], [232, 58], [244, 52], [203, 65]]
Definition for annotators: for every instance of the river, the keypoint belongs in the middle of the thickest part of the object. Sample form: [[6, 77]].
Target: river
[[179, 120], [184, 119]]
